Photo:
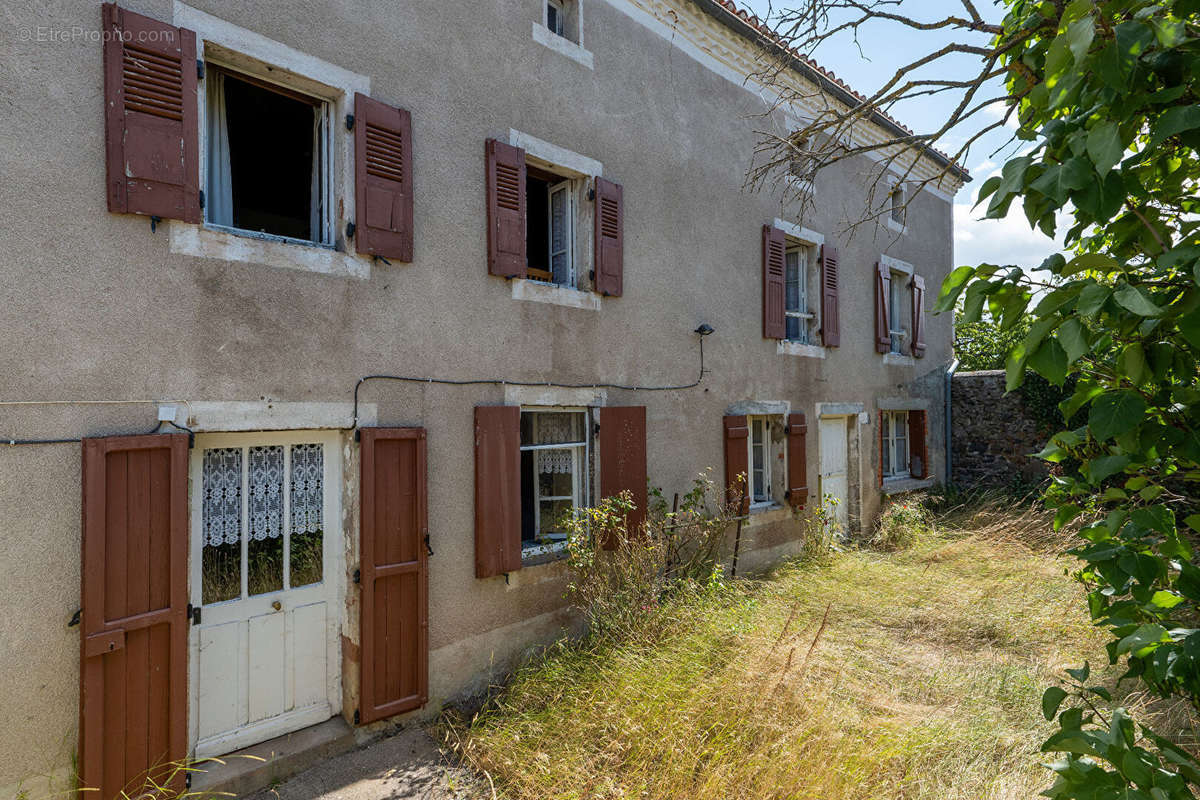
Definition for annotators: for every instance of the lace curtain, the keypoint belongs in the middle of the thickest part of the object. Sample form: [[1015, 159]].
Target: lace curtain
[[266, 492], [221, 483], [221, 504], [308, 488], [551, 461]]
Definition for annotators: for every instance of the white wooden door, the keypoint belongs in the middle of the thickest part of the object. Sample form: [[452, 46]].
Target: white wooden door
[[833, 479], [265, 574]]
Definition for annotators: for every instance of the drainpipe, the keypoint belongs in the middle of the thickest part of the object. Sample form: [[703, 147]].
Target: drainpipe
[[949, 428]]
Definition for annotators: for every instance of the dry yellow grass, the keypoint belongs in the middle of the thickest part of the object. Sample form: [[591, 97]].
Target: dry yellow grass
[[915, 674]]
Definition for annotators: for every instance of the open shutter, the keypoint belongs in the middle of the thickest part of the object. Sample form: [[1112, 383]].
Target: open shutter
[[497, 490], [918, 316], [151, 133], [610, 237], [883, 283], [797, 456], [623, 458], [918, 462], [134, 626], [773, 257], [383, 192], [505, 209], [737, 461], [394, 668], [830, 325]]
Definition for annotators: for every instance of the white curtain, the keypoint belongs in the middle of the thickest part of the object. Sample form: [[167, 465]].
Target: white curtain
[[218, 199]]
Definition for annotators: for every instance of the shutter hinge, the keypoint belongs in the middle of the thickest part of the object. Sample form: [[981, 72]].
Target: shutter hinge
[[187, 780], [349, 122], [350, 229], [193, 613], [358, 576], [75, 618], [154, 223], [428, 547], [201, 198], [381, 258], [592, 193], [356, 717], [199, 69], [596, 429]]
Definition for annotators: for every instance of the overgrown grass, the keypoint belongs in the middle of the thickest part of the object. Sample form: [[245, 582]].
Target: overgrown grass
[[909, 674]]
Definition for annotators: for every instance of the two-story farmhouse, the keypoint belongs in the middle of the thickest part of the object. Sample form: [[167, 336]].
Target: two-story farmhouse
[[223, 221]]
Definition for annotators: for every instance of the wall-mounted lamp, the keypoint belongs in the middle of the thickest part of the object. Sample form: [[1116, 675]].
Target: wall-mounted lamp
[[704, 330]]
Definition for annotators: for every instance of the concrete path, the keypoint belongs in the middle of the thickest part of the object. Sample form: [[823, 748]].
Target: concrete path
[[407, 765]]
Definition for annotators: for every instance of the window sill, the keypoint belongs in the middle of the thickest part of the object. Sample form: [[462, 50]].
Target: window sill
[[562, 45], [538, 292], [767, 514], [786, 348], [899, 360], [533, 555], [901, 485], [205, 242], [897, 227]]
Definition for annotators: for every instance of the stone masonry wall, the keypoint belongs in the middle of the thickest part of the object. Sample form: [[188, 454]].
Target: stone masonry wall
[[993, 433]]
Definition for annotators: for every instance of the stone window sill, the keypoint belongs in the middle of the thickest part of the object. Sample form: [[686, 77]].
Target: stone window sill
[[203, 242], [537, 554], [786, 348], [538, 292], [560, 44], [897, 227], [899, 360], [767, 514], [893, 486]]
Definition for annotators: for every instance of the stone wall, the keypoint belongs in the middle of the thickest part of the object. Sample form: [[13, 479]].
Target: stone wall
[[993, 433]]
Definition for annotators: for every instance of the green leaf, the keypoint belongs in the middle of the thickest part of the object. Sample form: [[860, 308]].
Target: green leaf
[[1073, 338], [1092, 261], [1134, 299], [1104, 146], [1193, 522], [1133, 362], [1189, 328], [1174, 121], [1106, 467], [1092, 298], [1081, 673], [951, 287], [1145, 638], [1164, 599], [1051, 699], [1014, 367], [1065, 514], [1079, 37], [1050, 361], [1114, 413], [985, 191]]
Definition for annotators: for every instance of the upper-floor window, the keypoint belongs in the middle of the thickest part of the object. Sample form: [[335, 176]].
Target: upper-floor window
[[894, 442], [555, 16], [550, 227], [899, 309], [798, 264], [896, 199], [554, 474], [562, 18], [267, 160]]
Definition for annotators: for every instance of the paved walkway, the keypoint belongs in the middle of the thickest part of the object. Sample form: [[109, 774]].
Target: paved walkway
[[407, 765]]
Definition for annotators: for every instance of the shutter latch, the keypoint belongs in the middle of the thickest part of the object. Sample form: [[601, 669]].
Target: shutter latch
[[349, 122], [193, 613], [154, 223], [428, 547], [358, 576], [75, 618], [199, 69], [350, 228]]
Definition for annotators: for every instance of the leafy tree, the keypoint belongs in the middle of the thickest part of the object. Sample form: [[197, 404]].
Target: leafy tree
[[982, 344], [1107, 105]]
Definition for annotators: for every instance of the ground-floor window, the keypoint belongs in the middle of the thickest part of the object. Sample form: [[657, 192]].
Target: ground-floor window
[[554, 475], [765, 477], [894, 441]]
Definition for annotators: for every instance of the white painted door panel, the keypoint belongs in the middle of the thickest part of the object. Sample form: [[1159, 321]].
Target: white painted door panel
[[833, 467]]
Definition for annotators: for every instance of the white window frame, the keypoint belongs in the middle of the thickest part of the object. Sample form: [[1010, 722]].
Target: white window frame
[[896, 430], [567, 188], [901, 273], [561, 12], [802, 312], [581, 458], [768, 457]]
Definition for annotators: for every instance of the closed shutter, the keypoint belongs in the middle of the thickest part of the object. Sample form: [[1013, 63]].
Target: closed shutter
[[773, 257], [394, 668], [797, 456], [610, 238], [623, 459], [134, 626], [918, 316], [383, 176], [151, 132], [831, 335], [737, 461], [505, 209], [883, 284], [497, 490], [918, 462]]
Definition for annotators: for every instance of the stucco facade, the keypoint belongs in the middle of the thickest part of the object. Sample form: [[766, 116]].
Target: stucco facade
[[107, 322]]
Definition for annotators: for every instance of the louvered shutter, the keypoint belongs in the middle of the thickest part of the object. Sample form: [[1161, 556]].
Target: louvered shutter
[[797, 456], [497, 490], [831, 335], [883, 283], [737, 461], [918, 316], [774, 250], [383, 176], [151, 129], [918, 463], [623, 459], [505, 209], [134, 622], [610, 238]]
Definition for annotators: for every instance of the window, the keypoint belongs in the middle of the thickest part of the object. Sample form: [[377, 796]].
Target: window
[[797, 265], [550, 227], [268, 166], [766, 445], [554, 475], [894, 440], [898, 302], [555, 17], [896, 205]]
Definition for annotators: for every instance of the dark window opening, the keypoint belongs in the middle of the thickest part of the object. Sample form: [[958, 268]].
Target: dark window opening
[[549, 227], [264, 160], [537, 227]]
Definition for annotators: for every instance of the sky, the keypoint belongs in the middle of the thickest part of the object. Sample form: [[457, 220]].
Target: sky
[[885, 46]]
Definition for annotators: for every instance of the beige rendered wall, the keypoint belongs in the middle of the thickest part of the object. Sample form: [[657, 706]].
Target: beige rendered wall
[[96, 307]]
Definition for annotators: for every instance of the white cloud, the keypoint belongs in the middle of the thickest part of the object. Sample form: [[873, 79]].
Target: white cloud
[[997, 111], [1000, 241]]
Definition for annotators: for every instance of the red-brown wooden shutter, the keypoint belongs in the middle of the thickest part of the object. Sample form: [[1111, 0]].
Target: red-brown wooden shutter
[[134, 626], [610, 237], [883, 283], [623, 458], [774, 249], [394, 668], [831, 335], [505, 209], [151, 128], [918, 462], [918, 316], [383, 174], [497, 490], [737, 461], [797, 456]]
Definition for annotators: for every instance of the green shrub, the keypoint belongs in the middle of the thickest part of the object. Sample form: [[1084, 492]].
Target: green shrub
[[902, 524]]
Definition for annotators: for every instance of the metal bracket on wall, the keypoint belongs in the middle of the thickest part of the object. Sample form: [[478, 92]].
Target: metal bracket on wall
[[358, 576], [356, 717], [75, 618], [199, 69], [350, 229], [349, 122], [154, 223]]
